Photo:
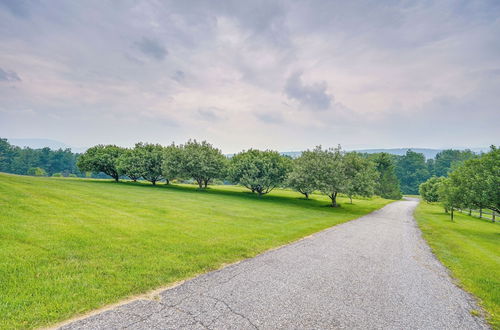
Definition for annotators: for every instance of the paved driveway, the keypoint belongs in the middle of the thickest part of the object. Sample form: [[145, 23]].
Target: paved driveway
[[375, 272]]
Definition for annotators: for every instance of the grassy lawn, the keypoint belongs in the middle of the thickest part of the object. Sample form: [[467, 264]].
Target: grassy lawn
[[68, 246], [470, 248]]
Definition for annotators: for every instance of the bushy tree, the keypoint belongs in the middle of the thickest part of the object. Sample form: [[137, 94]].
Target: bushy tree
[[171, 166], [449, 159], [411, 171], [303, 175], [37, 171], [360, 175], [387, 182], [331, 173], [259, 171], [429, 190], [202, 162], [130, 164], [450, 196], [101, 158], [151, 160]]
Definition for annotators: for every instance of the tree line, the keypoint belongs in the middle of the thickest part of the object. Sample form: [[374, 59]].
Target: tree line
[[329, 171], [475, 183]]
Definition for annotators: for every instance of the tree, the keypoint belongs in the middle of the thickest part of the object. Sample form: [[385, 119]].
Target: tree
[[331, 175], [101, 158], [259, 171], [150, 161], [447, 160], [449, 195], [37, 171], [411, 171], [429, 190], [302, 175], [360, 175], [130, 164], [201, 161], [171, 166], [387, 182]]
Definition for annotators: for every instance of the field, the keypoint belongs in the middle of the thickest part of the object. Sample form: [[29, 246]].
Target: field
[[68, 246], [470, 248]]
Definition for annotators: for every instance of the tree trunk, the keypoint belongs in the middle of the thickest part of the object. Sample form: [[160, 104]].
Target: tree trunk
[[153, 182], [205, 182], [480, 213], [451, 214], [493, 215], [334, 199], [350, 197], [116, 178], [470, 211], [307, 195], [167, 181], [200, 183]]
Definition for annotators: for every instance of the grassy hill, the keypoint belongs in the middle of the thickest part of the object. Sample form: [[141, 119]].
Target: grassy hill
[[71, 245], [469, 247]]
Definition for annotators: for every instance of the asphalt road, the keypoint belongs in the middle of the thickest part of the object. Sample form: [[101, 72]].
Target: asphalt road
[[375, 272]]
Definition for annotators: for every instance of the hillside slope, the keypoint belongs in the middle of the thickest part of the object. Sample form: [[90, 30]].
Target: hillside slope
[[71, 245]]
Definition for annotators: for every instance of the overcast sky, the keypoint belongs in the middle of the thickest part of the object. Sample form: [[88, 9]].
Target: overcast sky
[[284, 75]]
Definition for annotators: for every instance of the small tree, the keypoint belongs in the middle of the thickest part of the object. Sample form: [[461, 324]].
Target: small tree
[[37, 171], [302, 176], [387, 182], [202, 162], [331, 174], [450, 197], [360, 176], [171, 166], [129, 164], [101, 158], [429, 190], [259, 171], [151, 160]]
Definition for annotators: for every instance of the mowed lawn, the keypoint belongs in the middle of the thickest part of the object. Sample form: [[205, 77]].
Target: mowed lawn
[[68, 246], [470, 248]]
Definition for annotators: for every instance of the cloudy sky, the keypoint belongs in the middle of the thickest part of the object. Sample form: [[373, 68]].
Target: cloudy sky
[[285, 75]]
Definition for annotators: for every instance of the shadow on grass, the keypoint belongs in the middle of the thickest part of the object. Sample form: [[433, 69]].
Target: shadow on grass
[[289, 201]]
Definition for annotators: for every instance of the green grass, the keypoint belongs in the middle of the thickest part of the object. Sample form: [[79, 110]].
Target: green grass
[[68, 246], [470, 248]]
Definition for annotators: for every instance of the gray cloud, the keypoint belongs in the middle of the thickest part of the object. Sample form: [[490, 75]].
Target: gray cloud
[[270, 117], [313, 96], [209, 114], [152, 48], [6, 75]]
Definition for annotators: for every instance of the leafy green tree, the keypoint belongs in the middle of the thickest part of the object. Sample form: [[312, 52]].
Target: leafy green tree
[[171, 166], [150, 161], [411, 171], [37, 171], [331, 174], [202, 162], [101, 158], [447, 160], [360, 175], [302, 177], [130, 164], [450, 196], [259, 171], [429, 190], [387, 182]]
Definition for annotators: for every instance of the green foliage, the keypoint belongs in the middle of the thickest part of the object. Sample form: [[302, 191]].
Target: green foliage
[[331, 173], [37, 171], [259, 171], [411, 171], [101, 158], [201, 161], [450, 196], [130, 164], [57, 175], [429, 190], [171, 162], [387, 182], [361, 175], [448, 160], [150, 161], [303, 176], [70, 246], [18, 160], [469, 248]]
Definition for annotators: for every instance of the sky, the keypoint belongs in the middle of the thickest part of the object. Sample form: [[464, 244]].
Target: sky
[[283, 75]]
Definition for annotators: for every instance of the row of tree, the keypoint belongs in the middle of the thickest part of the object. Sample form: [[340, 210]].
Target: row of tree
[[474, 184], [329, 171]]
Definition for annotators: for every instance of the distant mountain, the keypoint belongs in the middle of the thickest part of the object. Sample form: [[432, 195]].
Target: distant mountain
[[42, 143]]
